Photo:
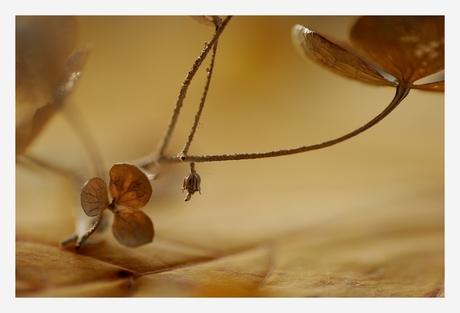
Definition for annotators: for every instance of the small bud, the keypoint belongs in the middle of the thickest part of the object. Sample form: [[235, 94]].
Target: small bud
[[191, 182]]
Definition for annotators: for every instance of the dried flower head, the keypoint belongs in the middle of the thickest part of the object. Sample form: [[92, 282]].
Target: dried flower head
[[191, 182], [130, 190]]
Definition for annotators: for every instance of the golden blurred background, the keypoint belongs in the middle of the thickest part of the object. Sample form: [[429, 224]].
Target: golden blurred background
[[264, 96]]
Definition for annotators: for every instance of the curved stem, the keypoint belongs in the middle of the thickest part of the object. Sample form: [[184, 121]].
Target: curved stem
[[401, 92], [183, 91], [93, 228]]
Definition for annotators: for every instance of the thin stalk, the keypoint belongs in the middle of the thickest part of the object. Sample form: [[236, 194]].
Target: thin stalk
[[183, 91], [401, 92], [191, 135], [93, 228]]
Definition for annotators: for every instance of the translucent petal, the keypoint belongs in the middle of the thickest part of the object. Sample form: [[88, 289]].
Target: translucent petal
[[132, 228], [335, 58], [407, 47], [434, 86], [94, 196], [129, 185]]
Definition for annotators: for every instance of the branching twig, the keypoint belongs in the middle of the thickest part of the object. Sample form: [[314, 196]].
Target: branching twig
[[401, 92], [209, 70], [183, 91]]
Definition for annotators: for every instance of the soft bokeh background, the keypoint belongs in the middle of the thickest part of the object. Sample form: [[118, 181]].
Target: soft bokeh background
[[363, 218]]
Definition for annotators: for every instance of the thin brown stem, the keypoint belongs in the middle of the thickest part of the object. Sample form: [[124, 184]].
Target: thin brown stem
[[93, 228], [203, 100], [401, 92], [184, 88]]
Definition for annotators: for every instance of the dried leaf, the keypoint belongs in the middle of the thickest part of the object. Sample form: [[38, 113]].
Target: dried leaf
[[129, 185], [40, 266], [434, 86], [94, 196], [132, 227], [335, 58], [407, 47]]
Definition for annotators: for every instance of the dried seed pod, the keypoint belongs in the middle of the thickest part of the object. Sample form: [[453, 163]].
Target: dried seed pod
[[191, 182]]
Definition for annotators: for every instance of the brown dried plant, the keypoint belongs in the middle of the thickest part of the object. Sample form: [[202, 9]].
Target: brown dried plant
[[131, 190], [408, 48]]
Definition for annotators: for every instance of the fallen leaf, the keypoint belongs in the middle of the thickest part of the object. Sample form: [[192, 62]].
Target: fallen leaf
[[41, 266]]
